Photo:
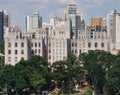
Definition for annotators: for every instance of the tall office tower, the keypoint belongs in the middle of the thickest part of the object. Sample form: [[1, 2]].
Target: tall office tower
[[78, 21], [1, 25], [33, 21], [113, 27], [80, 24], [6, 19], [110, 23], [71, 13], [4, 23]]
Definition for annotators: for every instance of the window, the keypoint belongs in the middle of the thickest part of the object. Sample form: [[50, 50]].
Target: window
[[31, 44], [76, 51], [39, 44], [99, 36], [35, 44], [22, 44], [35, 50], [9, 59], [15, 59], [49, 57], [32, 51], [72, 44], [9, 51], [9, 44], [16, 52], [49, 51], [89, 45], [22, 51], [75, 44], [39, 51], [15, 44], [49, 45], [17, 37], [96, 45], [102, 44], [80, 51]]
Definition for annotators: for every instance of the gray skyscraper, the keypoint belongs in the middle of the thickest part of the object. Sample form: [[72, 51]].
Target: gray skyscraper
[[4, 22], [33, 21], [1, 25], [71, 13]]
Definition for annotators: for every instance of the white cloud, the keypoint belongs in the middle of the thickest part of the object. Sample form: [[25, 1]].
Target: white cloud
[[58, 13], [42, 1], [63, 1], [24, 1], [94, 2]]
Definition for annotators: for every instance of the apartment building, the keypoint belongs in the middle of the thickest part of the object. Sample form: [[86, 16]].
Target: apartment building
[[52, 42]]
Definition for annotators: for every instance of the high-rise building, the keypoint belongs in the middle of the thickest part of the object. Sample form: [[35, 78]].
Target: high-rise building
[[4, 23], [71, 13], [113, 27], [110, 25], [1, 25], [33, 21], [6, 19]]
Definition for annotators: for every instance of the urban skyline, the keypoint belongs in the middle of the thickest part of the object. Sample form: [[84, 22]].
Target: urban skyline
[[55, 40], [20, 9]]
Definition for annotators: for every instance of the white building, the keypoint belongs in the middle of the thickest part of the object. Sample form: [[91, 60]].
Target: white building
[[113, 28], [52, 42]]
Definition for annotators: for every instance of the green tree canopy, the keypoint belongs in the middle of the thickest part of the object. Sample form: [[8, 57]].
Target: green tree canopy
[[2, 47]]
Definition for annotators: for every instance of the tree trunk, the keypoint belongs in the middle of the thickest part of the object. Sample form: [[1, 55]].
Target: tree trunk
[[106, 90]]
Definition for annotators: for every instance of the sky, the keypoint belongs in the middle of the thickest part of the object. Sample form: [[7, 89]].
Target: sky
[[19, 9]]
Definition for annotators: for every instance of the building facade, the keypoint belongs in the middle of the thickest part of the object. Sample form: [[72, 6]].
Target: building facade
[[52, 42]]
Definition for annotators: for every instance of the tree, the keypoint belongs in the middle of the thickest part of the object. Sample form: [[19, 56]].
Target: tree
[[33, 75], [21, 78], [93, 62], [72, 58], [41, 66], [1, 70], [14, 78], [36, 80], [113, 77], [62, 75], [67, 74], [2, 47], [37, 62]]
